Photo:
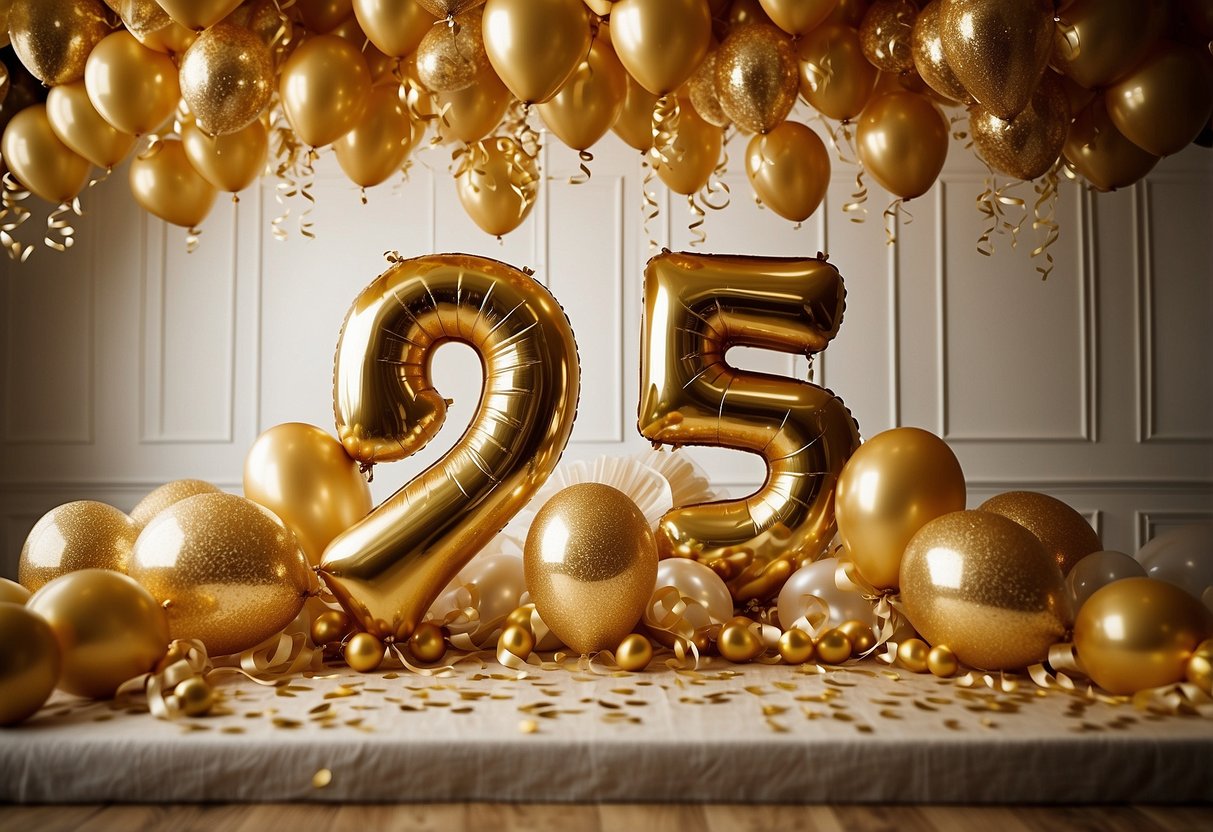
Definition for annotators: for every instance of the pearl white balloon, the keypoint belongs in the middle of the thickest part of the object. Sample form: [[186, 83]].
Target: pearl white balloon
[[714, 604], [817, 580], [499, 581], [1097, 570], [1182, 556]]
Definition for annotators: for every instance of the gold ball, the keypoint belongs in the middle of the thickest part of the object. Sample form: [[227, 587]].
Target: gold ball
[[12, 592], [195, 696], [29, 663], [942, 661], [861, 635], [363, 652], [520, 617], [796, 646], [738, 644], [518, 640], [427, 643], [81, 535], [913, 654], [634, 653], [833, 647], [330, 627], [1200, 666]]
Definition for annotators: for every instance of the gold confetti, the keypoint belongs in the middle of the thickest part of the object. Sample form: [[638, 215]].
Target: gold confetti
[[528, 726], [322, 778]]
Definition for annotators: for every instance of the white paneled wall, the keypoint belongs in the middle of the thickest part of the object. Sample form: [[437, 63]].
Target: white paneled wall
[[128, 361]]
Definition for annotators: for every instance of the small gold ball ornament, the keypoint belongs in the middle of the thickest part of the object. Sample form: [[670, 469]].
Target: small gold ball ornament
[[738, 643], [195, 696], [861, 635], [634, 653], [363, 652], [912, 654], [518, 640], [796, 646], [1200, 666], [833, 647], [520, 616], [942, 662], [330, 627], [427, 643]]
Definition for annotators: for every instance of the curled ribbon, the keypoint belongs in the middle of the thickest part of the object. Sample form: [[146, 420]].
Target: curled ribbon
[[58, 224], [12, 215], [1044, 216], [695, 227], [190, 660], [584, 157], [649, 206]]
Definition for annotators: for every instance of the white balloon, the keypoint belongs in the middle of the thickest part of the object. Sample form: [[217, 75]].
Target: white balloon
[[714, 604], [817, 581], [1182, 556], [1097, 570], [499, 582]]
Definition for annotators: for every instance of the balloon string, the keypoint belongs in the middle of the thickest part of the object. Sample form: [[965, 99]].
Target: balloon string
[[666, 115], [12, 215], [961, 134], [286, 149], [698, 235], [991, 203], [519, 127], [58, 224], [857, 207], [307, 183], [585, 158], [192, 239], [1044, 216], [716, 185], [892, 217], [524, 185], [649, 205]]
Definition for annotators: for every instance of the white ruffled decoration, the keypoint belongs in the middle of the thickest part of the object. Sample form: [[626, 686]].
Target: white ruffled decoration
[[689, 483]]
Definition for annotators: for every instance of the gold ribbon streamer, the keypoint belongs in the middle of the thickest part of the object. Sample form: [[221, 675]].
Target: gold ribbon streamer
[[12, 216], [1044, 216], [857, 207], [158, 686], [990, 203], [649, 206], [666, 115], [518, 126], [891, 216], [716, 186], [286, 151], [58, 224], [585, 158], [698, 235]]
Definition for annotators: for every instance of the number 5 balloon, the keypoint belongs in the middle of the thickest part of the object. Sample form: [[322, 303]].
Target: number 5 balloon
[[387, 569], [696, 308]]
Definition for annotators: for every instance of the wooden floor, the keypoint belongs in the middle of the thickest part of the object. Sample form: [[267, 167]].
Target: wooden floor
[[607, 818]]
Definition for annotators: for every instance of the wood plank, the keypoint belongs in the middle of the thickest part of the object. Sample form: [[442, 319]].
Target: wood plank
[[622, 817]]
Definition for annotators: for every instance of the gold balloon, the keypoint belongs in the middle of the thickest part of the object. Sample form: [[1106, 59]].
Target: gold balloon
[[230, 573], [29, 663], [378, 145], [789, 169], [324, 86], [696, 308], [173, 39], [517, 640], [12, 592], [702, 90], [427, 643], [164, 183], [737, 643], [322, 16], [833, 647], [859, 634], [195, 696], [998, 50], [742, 13], [1065, 534], [591, 563], [108, 627], [443, 9], [1078, 97], [903, 142], [796, 646], [635, 122], [697, 151], [584, 109], [395, 27], [798, 17], [450, 57], [165, 496], [198, 14], [227, 78], [364, 652], [634, 653], [53, 38], [140, 15], [388, 569], [1199, 670], [1164, 103], [926, 46], [893, 485], [329, 627], [536, 45], [660, 42], [835, 77], [231, 162], [497, 183], [756, 77], [304, 476], [914, 655], [941, 661], [1097, 41], [985, 586], [79, 126], [1027, 145], [886, 35], [133, 88], [80, 535], [848, 13], [471, 114], [1101, 153], [41, 162], [1139, 633]]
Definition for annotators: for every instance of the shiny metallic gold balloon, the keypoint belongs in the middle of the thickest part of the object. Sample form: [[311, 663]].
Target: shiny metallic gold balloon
[[1065, 534], [590, 564], [738, 643], [443, 9], [635, 122], [535, 45], [789, 169], [696, 153], [164, 183], [29, 663], [395, 27], [517, 640], [985, 586], [108, 627], [798, 17], [833, 647], [848, 13], [1027, 145], [165, 496], [42, 163], [173, 39], [198, 14], [914, 655], [78, 125], [303, 475], [1098, 41], [80, 535], [941, 661], [1101, 153], [497, 183], [363, 652], [835, 77], [1139, 633], [230, 573], [427, 643], [737, 14], [1165, 101], [893, 485], [998, 50], [231, 162], [926, 47], [757, 77], [859, 634], [329, 627], [584, 109], [12, 592], [324, 86], [450, 57], [886, 35], [140, 15], [378, 145], [227, 78], [660, 42], [796, 646], [388, 569], [903, 142], [696, 308], [53, 38], [471, 114], [634, 653], [701, 88], [133, 88], [322, 16]]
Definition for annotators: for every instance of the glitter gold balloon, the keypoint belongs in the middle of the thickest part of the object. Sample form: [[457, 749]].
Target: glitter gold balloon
[[78, 125], [985, 586], [835, 77], [471, 114], [796, 646], [1139, 633], [42, 163], [833, 647], [230, 572], [427, 643], [173, 39], [324, 86], [329, 627], [634, 653], [1199, 670], [535, 45], [12, 592], [363, 652], [395, 27], [660, 42], [517, 640], [165, 496], [53, 38], [195, 696], [133, 88], [688, 171], [140, 15], [789, 169], [1101, 153], [1065, 534], [227, 77], [757, 77], [913, 654], [1164, 102], [591, 563], [198, 14], [583, 110], [80, 535], [886, 35], [702, 90], [450, 57], [635, 122], [738, 643], [29, 663], [497, 183], [108, 627], [231, 162], [1028, 144], [165, 184], [941, 661], [903, 142], [859, 634], [926, 46], [798, 17]]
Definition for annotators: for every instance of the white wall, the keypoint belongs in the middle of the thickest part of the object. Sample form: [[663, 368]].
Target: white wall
[[128, 362]]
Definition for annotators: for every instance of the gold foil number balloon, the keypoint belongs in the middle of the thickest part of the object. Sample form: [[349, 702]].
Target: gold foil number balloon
[[53, 38], [696, 308], [388, 569], [80, 535]]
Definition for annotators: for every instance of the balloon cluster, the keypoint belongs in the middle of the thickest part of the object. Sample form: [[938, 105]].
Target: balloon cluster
[[1101, 88]]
